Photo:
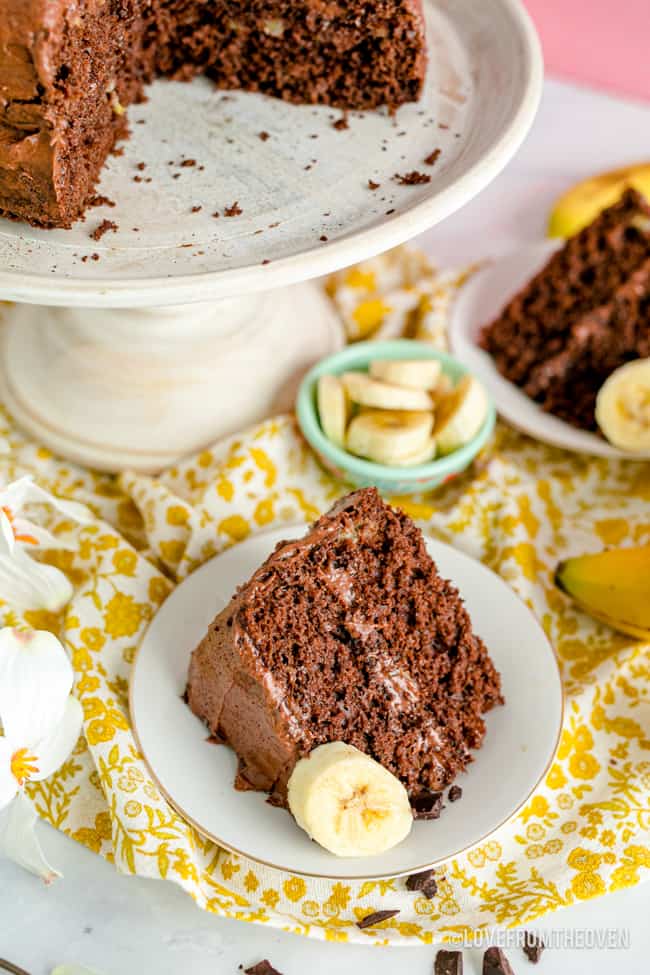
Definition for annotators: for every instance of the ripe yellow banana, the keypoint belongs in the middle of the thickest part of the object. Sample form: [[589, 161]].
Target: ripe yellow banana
[[612, 586], [583, 202]]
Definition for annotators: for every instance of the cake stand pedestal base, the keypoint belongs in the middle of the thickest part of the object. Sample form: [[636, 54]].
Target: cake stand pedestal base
[[139, 389]]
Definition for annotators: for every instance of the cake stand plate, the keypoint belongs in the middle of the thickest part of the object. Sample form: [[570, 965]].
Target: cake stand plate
[[480, 301], [302, 186], [197, 776]]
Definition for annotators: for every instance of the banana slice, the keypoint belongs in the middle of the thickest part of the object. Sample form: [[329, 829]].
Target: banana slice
[[412, 373], [333, 408], [383, 396], [623, 406], [390, 436], [460, 415], [349, 803], [444, 387], [422, 456]]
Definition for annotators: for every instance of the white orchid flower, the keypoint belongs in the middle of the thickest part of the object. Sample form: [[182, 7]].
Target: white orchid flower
[[24, 582], [41, 723]]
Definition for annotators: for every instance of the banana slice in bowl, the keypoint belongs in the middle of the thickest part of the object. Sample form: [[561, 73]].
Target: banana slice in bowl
[[384, 396], [349, 803], [412, 373], [461, 414], [623, 407], [333, 408], [391, 436]]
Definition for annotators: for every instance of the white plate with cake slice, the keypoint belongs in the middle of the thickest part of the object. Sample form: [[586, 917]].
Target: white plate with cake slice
[[197, 776], [478, 304]]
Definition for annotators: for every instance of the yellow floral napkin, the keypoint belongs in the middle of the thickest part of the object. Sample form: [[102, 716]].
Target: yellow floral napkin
[[521, 509]]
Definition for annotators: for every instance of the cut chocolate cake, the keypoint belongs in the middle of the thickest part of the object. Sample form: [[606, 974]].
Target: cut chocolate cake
[[348, 634], [584, 315], [69, 68]]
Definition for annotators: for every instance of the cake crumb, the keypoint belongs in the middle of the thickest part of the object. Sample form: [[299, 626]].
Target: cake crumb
[[262, 968], [413, 178], [455, 793], [233, 211], [324, 237], [341, 124], [187, 163], [196, 209], [433, 157], [104, 227], [372, 185], [100, 201], [264, 136], [141, 166]]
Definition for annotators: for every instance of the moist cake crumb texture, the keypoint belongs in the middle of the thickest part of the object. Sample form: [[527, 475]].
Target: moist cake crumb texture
[[584, 315], [348, 634], [68, 72]]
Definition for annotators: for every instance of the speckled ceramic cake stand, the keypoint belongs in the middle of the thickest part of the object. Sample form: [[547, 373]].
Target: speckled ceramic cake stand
[[181, 327]]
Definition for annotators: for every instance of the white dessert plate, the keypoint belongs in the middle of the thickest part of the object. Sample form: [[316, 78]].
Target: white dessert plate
[[304, 195], [480, 301], [197, 777]]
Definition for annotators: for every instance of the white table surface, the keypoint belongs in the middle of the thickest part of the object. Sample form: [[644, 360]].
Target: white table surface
[[126, 926]]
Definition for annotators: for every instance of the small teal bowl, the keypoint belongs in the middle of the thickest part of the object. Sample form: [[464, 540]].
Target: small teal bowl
[[364, 473]]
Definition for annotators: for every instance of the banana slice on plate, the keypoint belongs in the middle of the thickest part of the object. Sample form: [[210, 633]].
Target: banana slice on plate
[[583, 202], [349, 803], [412, 373], [460, 415], [333, 408], [366, 391], [391, 436], [623, 406]]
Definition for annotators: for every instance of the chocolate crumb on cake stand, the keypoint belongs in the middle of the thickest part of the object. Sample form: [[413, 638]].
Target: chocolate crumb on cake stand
[[133, 347]]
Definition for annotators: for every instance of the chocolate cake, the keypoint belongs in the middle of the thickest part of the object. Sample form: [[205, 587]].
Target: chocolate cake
[[69, 68], [584, 315], [348, 634]]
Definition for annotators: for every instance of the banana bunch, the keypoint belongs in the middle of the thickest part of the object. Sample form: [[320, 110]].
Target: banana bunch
[[402, 412], [623, 406], [583, 202], [349, 803], [611, 586]]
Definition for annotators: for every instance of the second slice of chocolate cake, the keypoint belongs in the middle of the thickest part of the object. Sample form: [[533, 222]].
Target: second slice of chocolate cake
[[348, 634]]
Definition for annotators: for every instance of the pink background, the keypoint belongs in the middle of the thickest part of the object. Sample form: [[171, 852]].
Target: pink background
[[603, 43]]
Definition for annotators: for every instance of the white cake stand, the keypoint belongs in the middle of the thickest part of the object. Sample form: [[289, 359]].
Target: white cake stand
[[181, 327]]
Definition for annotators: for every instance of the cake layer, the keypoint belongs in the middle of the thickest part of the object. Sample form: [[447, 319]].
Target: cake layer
[[584, 315], [348, 634], [69, 68]]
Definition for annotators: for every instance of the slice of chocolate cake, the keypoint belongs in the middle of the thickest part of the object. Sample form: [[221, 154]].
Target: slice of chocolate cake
[[68, 70], [348, 634], [584, 315]]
